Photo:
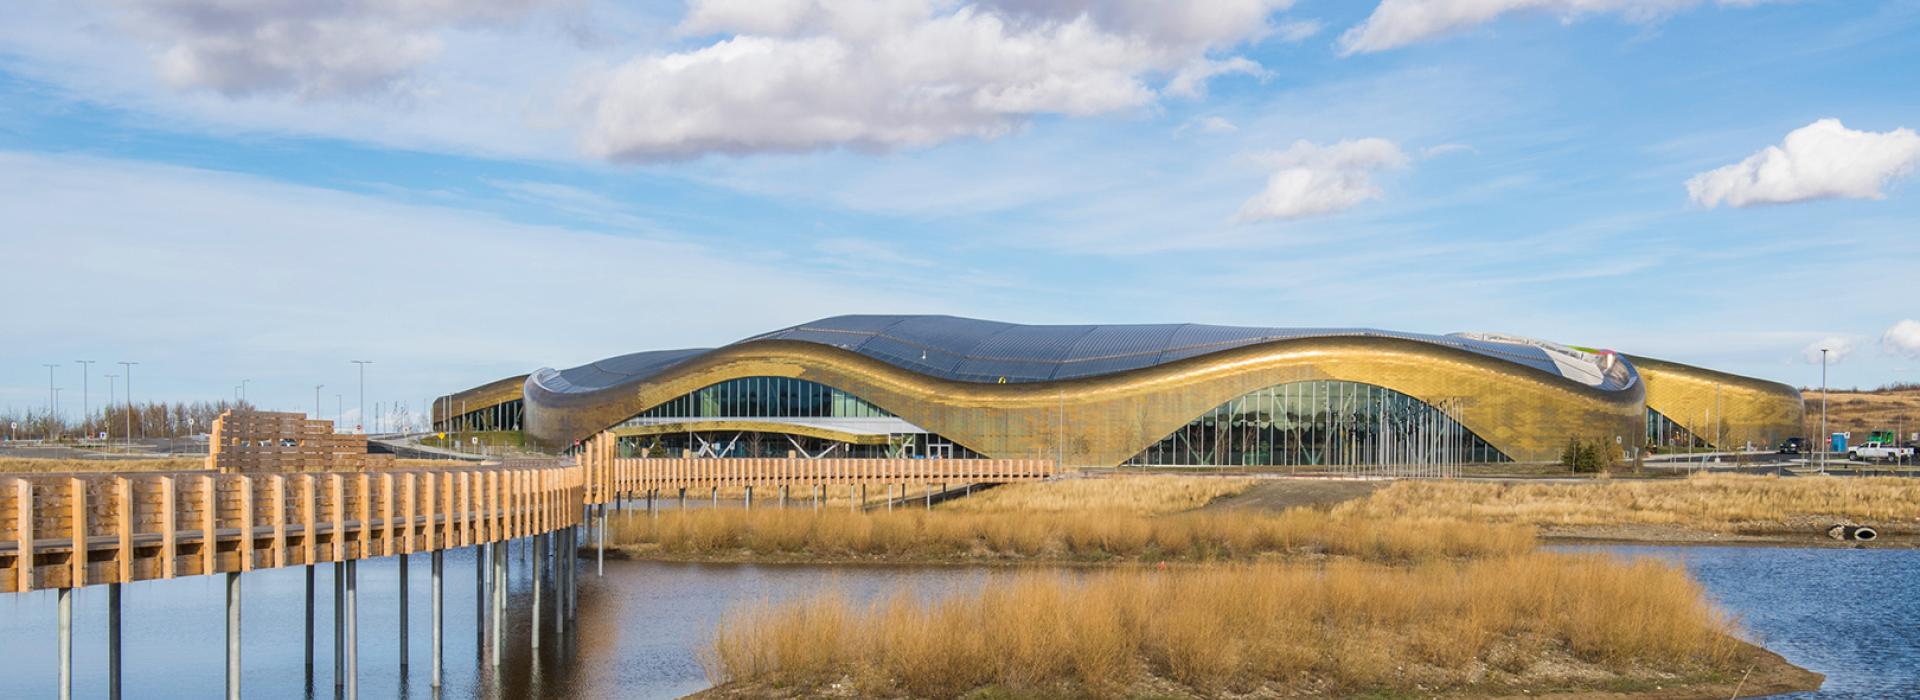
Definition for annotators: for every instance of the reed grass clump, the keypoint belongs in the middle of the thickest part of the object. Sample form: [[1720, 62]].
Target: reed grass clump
[[1139, 495], [1545, 620], [1716, 502], [915, 535]]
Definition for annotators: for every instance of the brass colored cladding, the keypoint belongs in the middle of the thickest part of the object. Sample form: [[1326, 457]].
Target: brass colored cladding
[[480, 397], [1747, 409], [737, 425], [145, 526], [1103, 421]]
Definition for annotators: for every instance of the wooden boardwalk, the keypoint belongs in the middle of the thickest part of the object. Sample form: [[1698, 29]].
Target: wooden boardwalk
[[85, 529], [610, 477], [271, 508]]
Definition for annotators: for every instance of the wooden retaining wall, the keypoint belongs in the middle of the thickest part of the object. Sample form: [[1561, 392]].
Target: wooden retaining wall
[[161, 525], [274, 442]]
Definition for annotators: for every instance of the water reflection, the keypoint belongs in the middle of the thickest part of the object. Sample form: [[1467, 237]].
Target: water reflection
[[1851, 614]]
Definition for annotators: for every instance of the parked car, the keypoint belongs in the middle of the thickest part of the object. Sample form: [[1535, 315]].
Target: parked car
[[1793, 446], [1879, 452]]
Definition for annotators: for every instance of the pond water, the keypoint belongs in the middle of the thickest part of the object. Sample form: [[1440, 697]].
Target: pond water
[[1851, 614]]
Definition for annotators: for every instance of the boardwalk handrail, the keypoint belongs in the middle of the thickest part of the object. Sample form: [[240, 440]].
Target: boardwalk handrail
[[156, 525], [609, 476]]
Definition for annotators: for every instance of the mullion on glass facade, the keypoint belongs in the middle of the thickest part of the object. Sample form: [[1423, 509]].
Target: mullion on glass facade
[[1322, 423]]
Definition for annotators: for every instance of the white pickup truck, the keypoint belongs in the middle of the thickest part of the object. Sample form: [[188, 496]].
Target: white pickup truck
[[1879, 452]]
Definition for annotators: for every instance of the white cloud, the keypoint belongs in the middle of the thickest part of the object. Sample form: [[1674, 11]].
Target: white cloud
[[1902, 338], [1298, 31], [1445, 149], [802, 75], [1838, 347], [1397, 23], [1310, 180], [1821, 160], [1208, 125], [311, 49]]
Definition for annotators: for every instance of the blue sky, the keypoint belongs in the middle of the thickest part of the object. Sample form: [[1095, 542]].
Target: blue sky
[[463, 191]]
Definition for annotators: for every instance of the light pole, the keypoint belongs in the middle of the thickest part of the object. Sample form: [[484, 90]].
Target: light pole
[[84, 408], [243, 390], [106, 424], [360, 421], [1826, 438], [56, 407], [53, 403], [316, 400], [129, 366]]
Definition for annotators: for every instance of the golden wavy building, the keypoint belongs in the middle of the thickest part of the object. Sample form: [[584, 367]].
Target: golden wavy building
[[1107, 395]]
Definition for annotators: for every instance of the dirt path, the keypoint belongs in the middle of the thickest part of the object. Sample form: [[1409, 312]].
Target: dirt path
[[1282, 494]]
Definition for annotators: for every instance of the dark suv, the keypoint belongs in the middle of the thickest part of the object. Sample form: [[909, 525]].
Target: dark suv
[[1792, 446]]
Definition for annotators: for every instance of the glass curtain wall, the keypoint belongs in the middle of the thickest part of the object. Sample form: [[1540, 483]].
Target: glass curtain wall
[[504, 416], [1348, 425], [767, 397], [1662, 432]]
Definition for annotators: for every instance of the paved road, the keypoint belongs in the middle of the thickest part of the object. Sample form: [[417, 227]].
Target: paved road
[[1284, 493]]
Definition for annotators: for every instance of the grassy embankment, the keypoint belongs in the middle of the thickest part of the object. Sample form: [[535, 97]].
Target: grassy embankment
[[1709, 504], [1502, 626]]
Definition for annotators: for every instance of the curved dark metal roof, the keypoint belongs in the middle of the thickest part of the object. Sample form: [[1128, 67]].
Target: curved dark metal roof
[[973, 350]]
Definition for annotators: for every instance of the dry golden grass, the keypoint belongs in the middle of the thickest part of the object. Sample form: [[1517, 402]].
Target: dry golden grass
[[916, 535], [17, 465], [1861, 412], [1540, 619], [1718, 502], [1140, 495]]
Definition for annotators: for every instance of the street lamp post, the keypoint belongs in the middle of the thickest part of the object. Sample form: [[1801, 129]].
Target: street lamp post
[[360, 421], [1826, 437], [106, 425], [56, 406], [53, 400], [85, 409], [316, 400], [129, 374]]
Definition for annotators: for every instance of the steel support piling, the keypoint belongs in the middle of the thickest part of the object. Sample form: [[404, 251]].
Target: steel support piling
[[113, 641], [353, 629], [539, 556], [309, 568], [439, 562], [403, 616], [233, 635], [65, 605], [339, 624]]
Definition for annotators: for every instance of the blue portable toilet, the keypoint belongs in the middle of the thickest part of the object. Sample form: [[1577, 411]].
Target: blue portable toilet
[[1839, 442]]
